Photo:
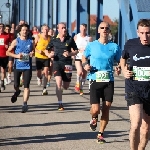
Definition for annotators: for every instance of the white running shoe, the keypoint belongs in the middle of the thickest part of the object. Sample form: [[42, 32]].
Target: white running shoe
[[44, 92], [5, 81], [39, 81], [8, 79]]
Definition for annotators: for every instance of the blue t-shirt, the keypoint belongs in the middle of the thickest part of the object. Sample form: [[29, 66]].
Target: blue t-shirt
[[102, 57], [139, 58], [24, 47]]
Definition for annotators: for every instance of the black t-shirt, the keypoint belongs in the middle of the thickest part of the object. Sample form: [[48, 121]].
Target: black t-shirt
[[139, 58], [59, 47]]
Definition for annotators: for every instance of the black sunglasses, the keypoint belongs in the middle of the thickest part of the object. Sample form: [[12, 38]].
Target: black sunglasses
[[107, 28]]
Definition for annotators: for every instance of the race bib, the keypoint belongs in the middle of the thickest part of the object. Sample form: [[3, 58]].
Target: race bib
[[25, 57], [102, 76], [68, 69], [141, 73], [1, 41]]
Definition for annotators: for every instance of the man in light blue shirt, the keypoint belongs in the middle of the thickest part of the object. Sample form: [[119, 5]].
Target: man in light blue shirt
[[102, 55]]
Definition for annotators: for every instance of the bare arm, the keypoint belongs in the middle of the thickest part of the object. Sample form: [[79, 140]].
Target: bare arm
[[36, 41], [10, 49]]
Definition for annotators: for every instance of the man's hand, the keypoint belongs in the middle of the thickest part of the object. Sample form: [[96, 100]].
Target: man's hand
[[51, 54], [31, 54], [6, 46], [19, 56], [127, 74], [81, 50], [87, 67], [118, 70], [66, 53]]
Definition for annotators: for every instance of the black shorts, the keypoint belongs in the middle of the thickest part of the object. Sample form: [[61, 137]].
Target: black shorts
[[59, 70], [132, 98], [104, 90], [3, 62], [40, 63], [27, 75], [11, 58], [78, 60]]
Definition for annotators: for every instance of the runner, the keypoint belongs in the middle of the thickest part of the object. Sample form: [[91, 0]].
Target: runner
[[50, 72], [4, 43], [11, 59], [62, 67], [24, 50], [42, 61], [102, 54], [137, 84], [81, 39]]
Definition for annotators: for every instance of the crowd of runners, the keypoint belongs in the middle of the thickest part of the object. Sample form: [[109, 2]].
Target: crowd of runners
[[94, 60]]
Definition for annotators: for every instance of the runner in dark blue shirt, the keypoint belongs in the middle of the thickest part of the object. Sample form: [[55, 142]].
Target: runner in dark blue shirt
[[137, 84]]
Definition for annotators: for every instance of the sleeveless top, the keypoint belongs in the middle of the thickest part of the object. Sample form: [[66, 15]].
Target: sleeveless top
[[81, 43], [24, 47], [41, 45]]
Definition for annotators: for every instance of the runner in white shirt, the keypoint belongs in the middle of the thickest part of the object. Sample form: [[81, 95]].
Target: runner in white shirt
[[81, 39]]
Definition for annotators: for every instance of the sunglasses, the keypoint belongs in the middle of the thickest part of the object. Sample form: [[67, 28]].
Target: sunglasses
[[107, 28]]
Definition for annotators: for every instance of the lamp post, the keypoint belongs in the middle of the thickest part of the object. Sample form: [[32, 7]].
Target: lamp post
[[8, 6]]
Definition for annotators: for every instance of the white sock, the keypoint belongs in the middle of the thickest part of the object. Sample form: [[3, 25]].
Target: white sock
[[78, 79], [82, 83]]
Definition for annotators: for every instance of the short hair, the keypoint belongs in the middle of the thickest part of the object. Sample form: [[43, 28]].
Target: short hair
[[61, 23], [143, 23], [44, 25], [103, 22], [1, 24], [7, 26], [23, 25], [83, 24]]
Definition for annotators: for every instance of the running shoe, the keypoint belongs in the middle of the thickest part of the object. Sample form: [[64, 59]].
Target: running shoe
[[60, 107], [5, 81], [8, 79], [39, 81], [81, 92], [93, 123], [77, 87], [100, 138], [3, 87], [48, 84], [44, 92], [24, 108], [14, 97]]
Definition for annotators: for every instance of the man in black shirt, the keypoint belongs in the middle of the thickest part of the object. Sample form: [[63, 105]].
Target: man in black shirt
[[137, 84], [63, 47]]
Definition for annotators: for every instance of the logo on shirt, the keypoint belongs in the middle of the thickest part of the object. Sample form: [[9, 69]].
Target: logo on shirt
[[135, 58], [28, 46], [66, 44]]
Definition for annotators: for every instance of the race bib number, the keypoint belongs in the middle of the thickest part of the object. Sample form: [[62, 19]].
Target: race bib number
[[141, 73], [25, 57], [102, 76], [68, 69], [1, 41]]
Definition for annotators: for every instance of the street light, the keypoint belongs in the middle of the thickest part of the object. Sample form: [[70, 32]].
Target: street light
[[8, 6]]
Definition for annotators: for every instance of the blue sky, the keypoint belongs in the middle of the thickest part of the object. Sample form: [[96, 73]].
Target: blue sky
[[110, 8]]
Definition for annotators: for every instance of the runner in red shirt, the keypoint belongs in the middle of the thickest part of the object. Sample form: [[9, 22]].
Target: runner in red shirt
[[11, 59], [4, 43]]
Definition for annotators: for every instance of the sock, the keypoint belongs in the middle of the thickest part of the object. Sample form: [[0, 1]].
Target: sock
[[24, 103], [60, 102], [44, 82], [82, 83], [78, 79], [100, 133]]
